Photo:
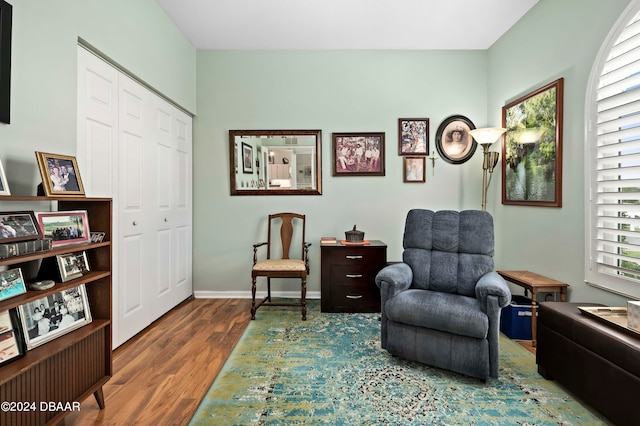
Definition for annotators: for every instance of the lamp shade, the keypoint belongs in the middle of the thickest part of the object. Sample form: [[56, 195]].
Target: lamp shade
[[487, 134]]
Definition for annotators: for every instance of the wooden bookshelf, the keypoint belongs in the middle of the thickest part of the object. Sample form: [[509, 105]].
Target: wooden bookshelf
[[71, 367]]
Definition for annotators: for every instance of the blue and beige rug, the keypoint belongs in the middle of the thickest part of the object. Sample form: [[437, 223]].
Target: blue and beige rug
[[331, 370]]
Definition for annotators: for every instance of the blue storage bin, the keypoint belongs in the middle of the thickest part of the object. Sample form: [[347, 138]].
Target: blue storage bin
[[515, 319]]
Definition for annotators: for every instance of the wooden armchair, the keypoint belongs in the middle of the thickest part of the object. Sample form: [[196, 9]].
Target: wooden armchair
[[282, 267]]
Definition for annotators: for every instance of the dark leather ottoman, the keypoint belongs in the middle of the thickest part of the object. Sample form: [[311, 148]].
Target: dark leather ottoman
[[598, 362]]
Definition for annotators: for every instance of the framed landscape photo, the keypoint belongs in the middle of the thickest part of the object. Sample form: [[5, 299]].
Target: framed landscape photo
[[65, 227], [18, 226], [532, 148], [54, 315], [453, 141], [413, 136], [11, 342], [72, 265], [4, 186], [358, 154], [247, 158], [11, 283], [60, 174], [414, 169]]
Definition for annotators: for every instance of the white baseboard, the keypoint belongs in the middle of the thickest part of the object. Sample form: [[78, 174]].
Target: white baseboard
[[206, 294]]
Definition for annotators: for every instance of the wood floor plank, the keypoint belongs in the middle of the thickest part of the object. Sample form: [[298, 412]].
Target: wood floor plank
[[161, 375]]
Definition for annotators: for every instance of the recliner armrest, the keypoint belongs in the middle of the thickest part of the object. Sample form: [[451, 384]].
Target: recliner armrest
[[492, 284], [398, 276]]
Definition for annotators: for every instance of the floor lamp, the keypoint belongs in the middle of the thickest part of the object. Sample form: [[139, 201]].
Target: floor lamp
[[486, 137]]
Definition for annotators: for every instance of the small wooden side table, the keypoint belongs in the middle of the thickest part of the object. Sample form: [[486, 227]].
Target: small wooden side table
[[535, 283]]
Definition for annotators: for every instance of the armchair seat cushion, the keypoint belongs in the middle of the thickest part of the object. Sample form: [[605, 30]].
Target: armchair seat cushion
[[280, 265], [450, 313]]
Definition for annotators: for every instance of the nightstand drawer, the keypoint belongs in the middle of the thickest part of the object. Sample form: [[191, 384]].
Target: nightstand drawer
[[356, 257], [353, 275], [355, 298]]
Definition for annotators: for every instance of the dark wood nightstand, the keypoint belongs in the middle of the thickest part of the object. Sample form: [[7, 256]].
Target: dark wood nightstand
[[347, 276]]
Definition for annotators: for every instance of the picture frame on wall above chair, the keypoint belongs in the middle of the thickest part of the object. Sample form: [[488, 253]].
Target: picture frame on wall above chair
[[358, 154]]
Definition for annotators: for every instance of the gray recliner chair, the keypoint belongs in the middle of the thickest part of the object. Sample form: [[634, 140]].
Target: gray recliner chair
[[441, 305]]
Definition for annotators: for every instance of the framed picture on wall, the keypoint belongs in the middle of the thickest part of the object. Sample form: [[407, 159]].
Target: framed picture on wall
[[413, 136], [532, 148], [414, 169], [358, 154], [453, 141], [60, 174], [247, 158]]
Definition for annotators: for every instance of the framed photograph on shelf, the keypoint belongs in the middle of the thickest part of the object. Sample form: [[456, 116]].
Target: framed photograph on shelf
[[358, 154], [65, 227], [11, 341], [4, 185], [60, 174], [532, 148], [52, 316], [11, 283], [18, 226], [413, 136], [72, 265], [414, 169], [453, 141], [247, 158]]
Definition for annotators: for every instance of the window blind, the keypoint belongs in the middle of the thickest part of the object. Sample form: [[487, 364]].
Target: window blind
[[617, 159]]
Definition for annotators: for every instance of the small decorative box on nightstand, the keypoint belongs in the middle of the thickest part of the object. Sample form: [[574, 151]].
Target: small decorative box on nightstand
[[348, 276]]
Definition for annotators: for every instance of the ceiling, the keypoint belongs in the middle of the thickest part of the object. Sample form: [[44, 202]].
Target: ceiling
[[344, 24]]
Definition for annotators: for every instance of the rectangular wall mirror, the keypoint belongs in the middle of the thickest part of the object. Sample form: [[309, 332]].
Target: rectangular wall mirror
[[275, 162]]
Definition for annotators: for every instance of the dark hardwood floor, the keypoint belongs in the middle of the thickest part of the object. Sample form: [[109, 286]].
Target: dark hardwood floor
[[161, 375]]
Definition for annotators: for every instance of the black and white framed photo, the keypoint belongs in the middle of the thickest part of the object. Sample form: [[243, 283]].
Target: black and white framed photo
[[72, 265], [4, 186], [11, 283], [18, 226], [247, 158], [453, 141], [65, 227], [11, 341], [52, 316], [97, 237]]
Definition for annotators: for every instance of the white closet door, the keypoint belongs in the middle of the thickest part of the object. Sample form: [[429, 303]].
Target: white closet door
[[140, 155], [136, 187]]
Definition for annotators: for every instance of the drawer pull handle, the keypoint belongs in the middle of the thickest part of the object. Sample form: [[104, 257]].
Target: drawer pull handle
[[354, 275], [357, 296], [354, 257]]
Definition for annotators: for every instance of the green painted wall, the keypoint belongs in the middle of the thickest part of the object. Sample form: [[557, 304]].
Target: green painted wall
[[555, 39], [136, 34], [336, 91]]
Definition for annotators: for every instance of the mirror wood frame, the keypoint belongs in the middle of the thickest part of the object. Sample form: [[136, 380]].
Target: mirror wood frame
[[233, 162]]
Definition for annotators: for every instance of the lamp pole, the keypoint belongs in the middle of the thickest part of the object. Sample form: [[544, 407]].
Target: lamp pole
[[486, 137]]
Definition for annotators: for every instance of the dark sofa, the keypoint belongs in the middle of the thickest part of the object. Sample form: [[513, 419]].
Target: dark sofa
[[596, 361]]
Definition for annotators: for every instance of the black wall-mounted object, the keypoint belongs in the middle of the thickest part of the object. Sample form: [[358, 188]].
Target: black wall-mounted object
[[5, 60]]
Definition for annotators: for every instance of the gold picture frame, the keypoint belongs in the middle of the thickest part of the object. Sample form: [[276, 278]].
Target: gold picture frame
[[60, 175]]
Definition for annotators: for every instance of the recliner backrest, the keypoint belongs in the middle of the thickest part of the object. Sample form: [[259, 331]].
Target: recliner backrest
[[448, 251]]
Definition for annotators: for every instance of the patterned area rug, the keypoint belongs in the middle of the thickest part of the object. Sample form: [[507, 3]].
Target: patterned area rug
[[330, 369]]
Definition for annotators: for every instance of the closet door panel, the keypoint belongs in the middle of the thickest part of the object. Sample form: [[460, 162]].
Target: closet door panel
[[97, 123], [132, 305]]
